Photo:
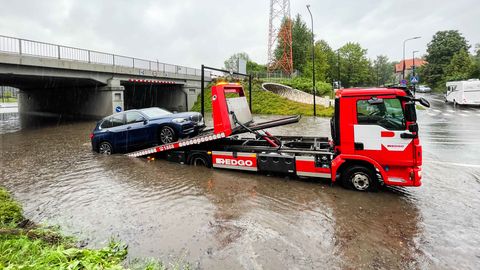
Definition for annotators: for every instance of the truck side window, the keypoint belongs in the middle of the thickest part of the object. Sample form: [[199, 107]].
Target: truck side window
[[388, 114]]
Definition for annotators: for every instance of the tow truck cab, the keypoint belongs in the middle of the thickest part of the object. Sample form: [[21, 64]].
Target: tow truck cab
[[376, 129]]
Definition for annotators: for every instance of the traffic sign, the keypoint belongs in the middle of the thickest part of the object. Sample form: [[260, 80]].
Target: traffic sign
[[414, 79], [403, 82], [118, 109]]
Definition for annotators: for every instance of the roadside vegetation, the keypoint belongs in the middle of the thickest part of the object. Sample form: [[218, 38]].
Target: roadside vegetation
[[24, 245], [264, 102], [448, 55], [8, 100]]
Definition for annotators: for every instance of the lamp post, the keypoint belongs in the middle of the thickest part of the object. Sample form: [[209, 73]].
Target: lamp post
[[413, 72], [313, 64], [405, 41]]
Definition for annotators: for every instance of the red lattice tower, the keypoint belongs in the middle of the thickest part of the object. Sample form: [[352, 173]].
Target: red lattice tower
[[280, 32]]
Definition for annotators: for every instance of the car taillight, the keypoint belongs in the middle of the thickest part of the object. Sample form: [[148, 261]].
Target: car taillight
[[91, 136]]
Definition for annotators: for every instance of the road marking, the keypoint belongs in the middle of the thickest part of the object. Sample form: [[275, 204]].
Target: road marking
[[453, 164], [451, 111], [463, 114], [435, 110], [446, 114]]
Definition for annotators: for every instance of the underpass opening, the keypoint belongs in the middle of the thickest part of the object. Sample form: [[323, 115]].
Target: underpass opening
[[169, 96]]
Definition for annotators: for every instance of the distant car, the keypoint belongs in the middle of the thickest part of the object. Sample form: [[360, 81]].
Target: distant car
[[424, 89], [133, 129]]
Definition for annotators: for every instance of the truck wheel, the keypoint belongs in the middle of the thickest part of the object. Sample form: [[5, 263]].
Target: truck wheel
[[359, 178], [167, 135], [199, 160]]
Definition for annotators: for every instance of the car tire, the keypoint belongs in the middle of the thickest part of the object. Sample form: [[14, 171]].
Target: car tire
[[167, 135], [359, 178], [105, 148]]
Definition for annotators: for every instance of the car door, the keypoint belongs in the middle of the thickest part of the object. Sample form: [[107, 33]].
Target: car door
[[119, 132], [137, 130], [381, 133]]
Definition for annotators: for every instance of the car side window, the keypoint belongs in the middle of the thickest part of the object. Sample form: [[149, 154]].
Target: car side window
[[134, 117], [118, 120], [107, 123], [388, 114]]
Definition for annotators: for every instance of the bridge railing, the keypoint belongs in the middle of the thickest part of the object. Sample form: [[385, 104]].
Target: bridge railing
[[20, 46]]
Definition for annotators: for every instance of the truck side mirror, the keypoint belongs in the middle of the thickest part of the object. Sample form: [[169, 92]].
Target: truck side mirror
[[424, 102], [410, 112]]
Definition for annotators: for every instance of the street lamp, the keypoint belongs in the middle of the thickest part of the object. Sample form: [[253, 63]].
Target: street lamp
[[313, 64], [413, 72], [405, 41]]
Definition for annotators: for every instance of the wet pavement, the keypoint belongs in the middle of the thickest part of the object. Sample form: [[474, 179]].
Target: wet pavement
[[218, 219]]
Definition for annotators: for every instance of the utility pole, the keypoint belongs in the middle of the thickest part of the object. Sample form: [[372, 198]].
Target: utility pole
[[403, 68], [313, 64], [413, 72]]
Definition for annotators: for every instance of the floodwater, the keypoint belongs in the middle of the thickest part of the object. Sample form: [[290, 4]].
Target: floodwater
[[219, 219]]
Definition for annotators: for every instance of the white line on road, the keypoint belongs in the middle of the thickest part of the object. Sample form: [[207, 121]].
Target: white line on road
[[436, 110], [452, 163]]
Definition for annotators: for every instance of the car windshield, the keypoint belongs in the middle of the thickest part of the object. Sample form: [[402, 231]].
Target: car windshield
[[155, 112]]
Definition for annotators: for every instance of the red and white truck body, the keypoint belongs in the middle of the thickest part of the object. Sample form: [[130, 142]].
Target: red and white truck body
[[374, 140]]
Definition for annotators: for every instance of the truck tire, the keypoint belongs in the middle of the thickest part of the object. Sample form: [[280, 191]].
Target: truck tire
[[200, 159], [359, 178]]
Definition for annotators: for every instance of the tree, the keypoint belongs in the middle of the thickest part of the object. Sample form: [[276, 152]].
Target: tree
[[301, 44], [322, 65], [232, 62], [439, 55], [476, 62], [460, 67], [354, 66], [383, 70]]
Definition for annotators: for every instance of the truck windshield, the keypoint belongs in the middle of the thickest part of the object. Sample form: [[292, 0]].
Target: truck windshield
[[388, 114]]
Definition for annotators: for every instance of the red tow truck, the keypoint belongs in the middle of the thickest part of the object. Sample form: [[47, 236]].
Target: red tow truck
[[374, 140]]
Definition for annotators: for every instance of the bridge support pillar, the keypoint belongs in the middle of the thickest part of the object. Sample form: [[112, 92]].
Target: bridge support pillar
[[191, 94], [108, 99]]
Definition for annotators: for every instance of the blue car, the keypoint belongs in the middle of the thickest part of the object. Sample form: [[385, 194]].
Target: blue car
[[134, 129]]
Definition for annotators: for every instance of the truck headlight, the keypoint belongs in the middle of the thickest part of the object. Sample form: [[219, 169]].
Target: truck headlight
[[179, 120]]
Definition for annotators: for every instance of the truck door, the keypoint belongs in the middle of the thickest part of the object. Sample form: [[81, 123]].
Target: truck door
[[381, 133]]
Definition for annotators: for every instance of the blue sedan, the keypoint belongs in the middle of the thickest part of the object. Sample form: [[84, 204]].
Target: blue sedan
[[134, 129]]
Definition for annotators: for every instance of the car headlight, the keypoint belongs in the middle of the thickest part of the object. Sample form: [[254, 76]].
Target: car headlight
[[179, 120]]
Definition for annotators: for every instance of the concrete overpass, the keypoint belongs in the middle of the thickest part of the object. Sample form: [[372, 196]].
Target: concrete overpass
[[82, 83]]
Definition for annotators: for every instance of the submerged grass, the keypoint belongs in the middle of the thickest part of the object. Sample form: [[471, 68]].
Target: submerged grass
[[24, 245], [264, 102]]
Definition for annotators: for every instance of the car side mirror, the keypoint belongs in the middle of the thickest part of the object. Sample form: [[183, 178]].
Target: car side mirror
[[410, 112], [145, 121]]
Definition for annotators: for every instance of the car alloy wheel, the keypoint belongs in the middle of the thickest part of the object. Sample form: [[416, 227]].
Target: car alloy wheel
[[167, 135], [105, 148]]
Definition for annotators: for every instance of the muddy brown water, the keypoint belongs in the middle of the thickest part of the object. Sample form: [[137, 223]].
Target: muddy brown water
[[219, 219]]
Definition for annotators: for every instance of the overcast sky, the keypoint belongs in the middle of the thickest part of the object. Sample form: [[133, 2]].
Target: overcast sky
[[194, 32]]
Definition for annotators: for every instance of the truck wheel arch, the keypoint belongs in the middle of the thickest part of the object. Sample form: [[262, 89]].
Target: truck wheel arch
[[340, 163]]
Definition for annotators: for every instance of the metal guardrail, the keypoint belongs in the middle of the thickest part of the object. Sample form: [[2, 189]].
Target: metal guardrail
[[21, 46]]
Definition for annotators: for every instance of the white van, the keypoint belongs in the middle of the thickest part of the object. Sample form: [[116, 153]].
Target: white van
[[463, 92]]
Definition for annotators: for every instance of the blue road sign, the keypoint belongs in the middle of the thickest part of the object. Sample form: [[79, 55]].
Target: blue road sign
[[118, 109], [414, 79], [403, 82]]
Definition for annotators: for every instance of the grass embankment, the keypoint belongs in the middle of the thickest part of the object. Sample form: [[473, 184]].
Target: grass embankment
[[24, 245], [8, 100], [264, 102]]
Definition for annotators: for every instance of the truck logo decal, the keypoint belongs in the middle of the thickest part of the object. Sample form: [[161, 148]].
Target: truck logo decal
[[234, 162]]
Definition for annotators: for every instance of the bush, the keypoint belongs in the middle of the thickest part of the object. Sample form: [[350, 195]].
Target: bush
[[265, 102]]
